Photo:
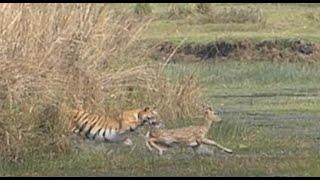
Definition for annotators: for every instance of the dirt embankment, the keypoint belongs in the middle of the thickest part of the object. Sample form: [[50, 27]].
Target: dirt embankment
[[269, 50]]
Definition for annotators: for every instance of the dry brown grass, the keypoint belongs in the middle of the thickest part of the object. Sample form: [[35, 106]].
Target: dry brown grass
[[80, 55]]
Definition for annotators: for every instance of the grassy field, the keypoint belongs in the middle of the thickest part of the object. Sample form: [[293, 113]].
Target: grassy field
[[270, 121], [279, 21], [270, 111]]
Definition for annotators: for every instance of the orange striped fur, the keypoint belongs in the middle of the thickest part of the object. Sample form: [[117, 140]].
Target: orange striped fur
[[111, 129]]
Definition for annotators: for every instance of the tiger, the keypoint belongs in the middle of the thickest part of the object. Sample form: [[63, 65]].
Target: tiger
[[109, 129]]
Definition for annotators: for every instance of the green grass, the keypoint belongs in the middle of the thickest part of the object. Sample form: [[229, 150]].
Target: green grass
[[282, 21]]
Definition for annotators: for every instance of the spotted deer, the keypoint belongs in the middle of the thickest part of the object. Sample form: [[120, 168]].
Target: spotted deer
[[192, 136]]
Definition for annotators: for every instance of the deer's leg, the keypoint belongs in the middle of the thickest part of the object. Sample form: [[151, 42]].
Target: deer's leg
[[211, 142], [116, 138], [194, 145], [195, 149], [148, 146], [156, 146], [128, 142]]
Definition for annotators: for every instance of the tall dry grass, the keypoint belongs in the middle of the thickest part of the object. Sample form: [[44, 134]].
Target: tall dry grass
[[82, 55]]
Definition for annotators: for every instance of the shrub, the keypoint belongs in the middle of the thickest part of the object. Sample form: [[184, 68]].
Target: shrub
[[203, 8], [177, 11], [81, 55], [142, 9]]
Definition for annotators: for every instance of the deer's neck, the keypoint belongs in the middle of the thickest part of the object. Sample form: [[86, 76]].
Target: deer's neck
[[207, 124]]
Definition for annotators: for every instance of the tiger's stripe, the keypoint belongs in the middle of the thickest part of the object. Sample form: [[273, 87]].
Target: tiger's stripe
[[98, 127]]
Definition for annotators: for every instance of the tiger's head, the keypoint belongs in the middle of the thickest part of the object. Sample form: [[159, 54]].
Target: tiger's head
[[149, 116]]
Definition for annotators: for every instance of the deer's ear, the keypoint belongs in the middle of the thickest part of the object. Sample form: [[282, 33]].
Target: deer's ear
[[210, 108], [146, 109]]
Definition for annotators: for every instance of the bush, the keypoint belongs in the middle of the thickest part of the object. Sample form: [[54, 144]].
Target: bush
[[81, 55], [203, 8], [177, 11], [142, 9], [313, 16], [205, 13], [241, 15]]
